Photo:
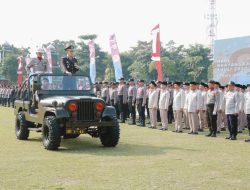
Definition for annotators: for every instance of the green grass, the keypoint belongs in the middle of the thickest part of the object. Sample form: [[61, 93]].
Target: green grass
[[145, 159]]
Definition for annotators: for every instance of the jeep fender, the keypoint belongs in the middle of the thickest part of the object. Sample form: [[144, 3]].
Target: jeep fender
[[58, 112], [109, 113]]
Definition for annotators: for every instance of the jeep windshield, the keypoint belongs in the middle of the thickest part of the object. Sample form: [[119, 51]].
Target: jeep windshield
[[65, 82]]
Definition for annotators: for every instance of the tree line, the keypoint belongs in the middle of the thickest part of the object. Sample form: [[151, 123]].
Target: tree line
[[179, 63]]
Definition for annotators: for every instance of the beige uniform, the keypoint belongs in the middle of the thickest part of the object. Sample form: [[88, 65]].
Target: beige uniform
[[178, 105], [105, 94], [153, 105], [202, 113], [185, 113], [163, 107], [193, 106]]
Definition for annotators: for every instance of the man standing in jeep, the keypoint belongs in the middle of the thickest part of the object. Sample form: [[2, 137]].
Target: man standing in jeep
[[38, 64], [69, 63]]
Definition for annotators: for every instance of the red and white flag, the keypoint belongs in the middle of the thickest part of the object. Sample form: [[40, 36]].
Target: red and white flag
[[156, 46], [20, 70]]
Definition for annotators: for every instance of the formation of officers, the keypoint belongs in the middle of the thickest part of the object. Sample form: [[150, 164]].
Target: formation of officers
[[8, 94], [192, 105]]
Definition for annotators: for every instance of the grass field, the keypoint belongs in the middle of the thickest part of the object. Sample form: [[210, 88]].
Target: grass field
[[144, 159]]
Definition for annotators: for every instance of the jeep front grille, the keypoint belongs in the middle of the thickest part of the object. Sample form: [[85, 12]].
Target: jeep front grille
[[86, 111]]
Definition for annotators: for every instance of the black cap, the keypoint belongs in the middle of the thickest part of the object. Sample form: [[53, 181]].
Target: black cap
[[248, 85], [105, 82], [237, 85], [185, 83], [193, 83], [211, 81], [217, 83], [141, 80], [165, 83], [222, 87], [121, 78], [230, 83], [203, 84], [153, 83], [177, 83], [159, 81], [67, 47], [131, 80]]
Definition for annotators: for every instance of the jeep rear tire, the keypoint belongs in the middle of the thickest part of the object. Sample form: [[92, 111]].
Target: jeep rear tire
[[110, 136], [21, 129], [51, 136]]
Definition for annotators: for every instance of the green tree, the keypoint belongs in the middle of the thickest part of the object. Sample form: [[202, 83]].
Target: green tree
[[197, 62]]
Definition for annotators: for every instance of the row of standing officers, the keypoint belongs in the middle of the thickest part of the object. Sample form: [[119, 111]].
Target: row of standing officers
[[195, 106]]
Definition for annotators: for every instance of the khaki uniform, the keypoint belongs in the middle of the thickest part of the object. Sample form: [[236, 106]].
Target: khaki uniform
[[153, 105], [105, 94], [163, 107], [178, 105], [203, 109], [185, 113], [193, 106]]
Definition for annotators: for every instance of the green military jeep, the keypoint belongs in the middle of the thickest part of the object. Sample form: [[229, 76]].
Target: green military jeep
[[64, 106]]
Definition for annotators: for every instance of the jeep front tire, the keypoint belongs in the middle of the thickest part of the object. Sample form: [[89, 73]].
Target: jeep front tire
[[109, 136], [21, 129], [51, 136]]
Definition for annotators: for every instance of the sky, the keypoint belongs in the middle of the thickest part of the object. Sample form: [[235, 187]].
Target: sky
[[30, 23]]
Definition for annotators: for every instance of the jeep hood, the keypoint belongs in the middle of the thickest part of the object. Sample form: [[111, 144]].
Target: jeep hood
[[62, 100]]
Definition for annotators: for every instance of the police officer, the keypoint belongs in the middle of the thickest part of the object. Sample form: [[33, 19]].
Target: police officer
[[178, 105], [132, 100], [153, 104], [141, 96], [69, 63], [231, 107], [193, 107], [38, 64], [69, 66], [105, 92], [122, 99], [163, 105], [212, 108], [247, 109]]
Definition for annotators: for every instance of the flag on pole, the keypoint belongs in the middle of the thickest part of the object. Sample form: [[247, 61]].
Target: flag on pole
[[156, 46], [92, 68], [115, 57], [49, 57], [20, 70]]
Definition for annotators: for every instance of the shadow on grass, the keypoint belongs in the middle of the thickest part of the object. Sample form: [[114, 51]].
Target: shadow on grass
[[80, 146]]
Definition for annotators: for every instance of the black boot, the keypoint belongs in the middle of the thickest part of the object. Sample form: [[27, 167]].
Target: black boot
[[210, 134]]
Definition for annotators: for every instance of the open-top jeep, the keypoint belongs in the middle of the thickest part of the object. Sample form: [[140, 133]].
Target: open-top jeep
[[63, 106]]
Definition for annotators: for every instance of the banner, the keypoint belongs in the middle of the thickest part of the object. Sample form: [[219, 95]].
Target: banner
[[49, 57], [156, 46], [92, 68], [20, 70], [231, 60], [115, 57]]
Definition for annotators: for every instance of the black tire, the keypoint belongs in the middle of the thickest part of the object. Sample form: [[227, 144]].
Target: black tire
[[110, 136], [71, 136], [51, 136], [21, 129]]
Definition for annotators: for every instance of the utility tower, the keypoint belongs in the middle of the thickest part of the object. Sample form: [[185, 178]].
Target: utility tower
[[212, 26]]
